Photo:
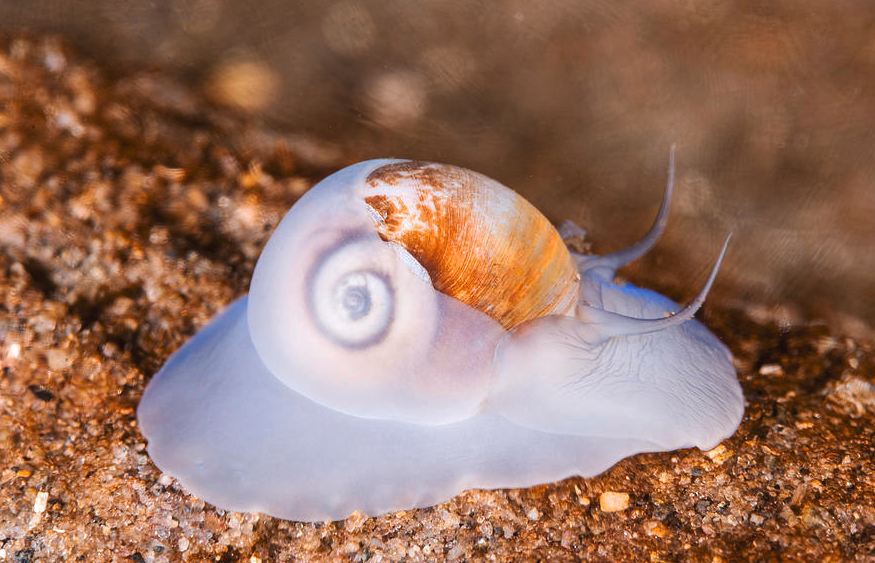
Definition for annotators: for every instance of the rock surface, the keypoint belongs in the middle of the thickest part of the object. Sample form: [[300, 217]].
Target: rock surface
[[131, 212]]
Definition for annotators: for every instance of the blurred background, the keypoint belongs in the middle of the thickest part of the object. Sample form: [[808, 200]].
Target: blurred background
[[574, 104]]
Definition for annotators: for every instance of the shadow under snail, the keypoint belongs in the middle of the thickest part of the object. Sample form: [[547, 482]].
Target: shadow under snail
[[413, 330]]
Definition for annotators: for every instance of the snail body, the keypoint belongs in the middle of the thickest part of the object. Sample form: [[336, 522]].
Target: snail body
[[413, 330]]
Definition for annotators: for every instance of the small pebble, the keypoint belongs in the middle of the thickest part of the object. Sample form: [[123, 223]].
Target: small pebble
[[569, 538], [41, 393], [611, 501], [183, 544], [41, 501], [58, 359], [810, 517], [788, 515], [756, 519], [853, 395], [355, 521], [533, 514], [455, 552], [798, 494], [655, 528], [719, 454], [771, 369]]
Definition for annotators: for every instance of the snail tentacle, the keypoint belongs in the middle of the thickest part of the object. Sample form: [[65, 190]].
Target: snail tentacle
[[608, 324], [605, 266]]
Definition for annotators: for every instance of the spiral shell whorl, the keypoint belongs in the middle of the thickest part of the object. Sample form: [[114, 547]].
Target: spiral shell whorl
[[479, 241]]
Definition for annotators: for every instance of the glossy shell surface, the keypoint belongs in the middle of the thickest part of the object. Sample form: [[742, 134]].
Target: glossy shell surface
[[479, 241]]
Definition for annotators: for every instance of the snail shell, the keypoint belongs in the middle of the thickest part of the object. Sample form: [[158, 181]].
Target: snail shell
[[361, 288], [479, 241], [413, 330]]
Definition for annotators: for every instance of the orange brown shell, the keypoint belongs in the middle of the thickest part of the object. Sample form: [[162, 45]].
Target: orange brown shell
[[479, 241]]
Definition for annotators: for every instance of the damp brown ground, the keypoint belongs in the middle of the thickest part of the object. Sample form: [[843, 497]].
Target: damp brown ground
[[131, 212]]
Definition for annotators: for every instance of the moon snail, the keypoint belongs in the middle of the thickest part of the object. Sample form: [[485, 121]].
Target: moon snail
[[413, 330]]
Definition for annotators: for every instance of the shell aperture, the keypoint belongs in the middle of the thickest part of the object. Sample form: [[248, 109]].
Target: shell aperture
[[393, 351]]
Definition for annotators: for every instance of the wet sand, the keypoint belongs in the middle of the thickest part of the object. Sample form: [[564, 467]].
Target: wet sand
[[131, 211]]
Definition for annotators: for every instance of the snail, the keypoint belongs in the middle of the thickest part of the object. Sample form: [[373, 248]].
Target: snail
[[413, 330]]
